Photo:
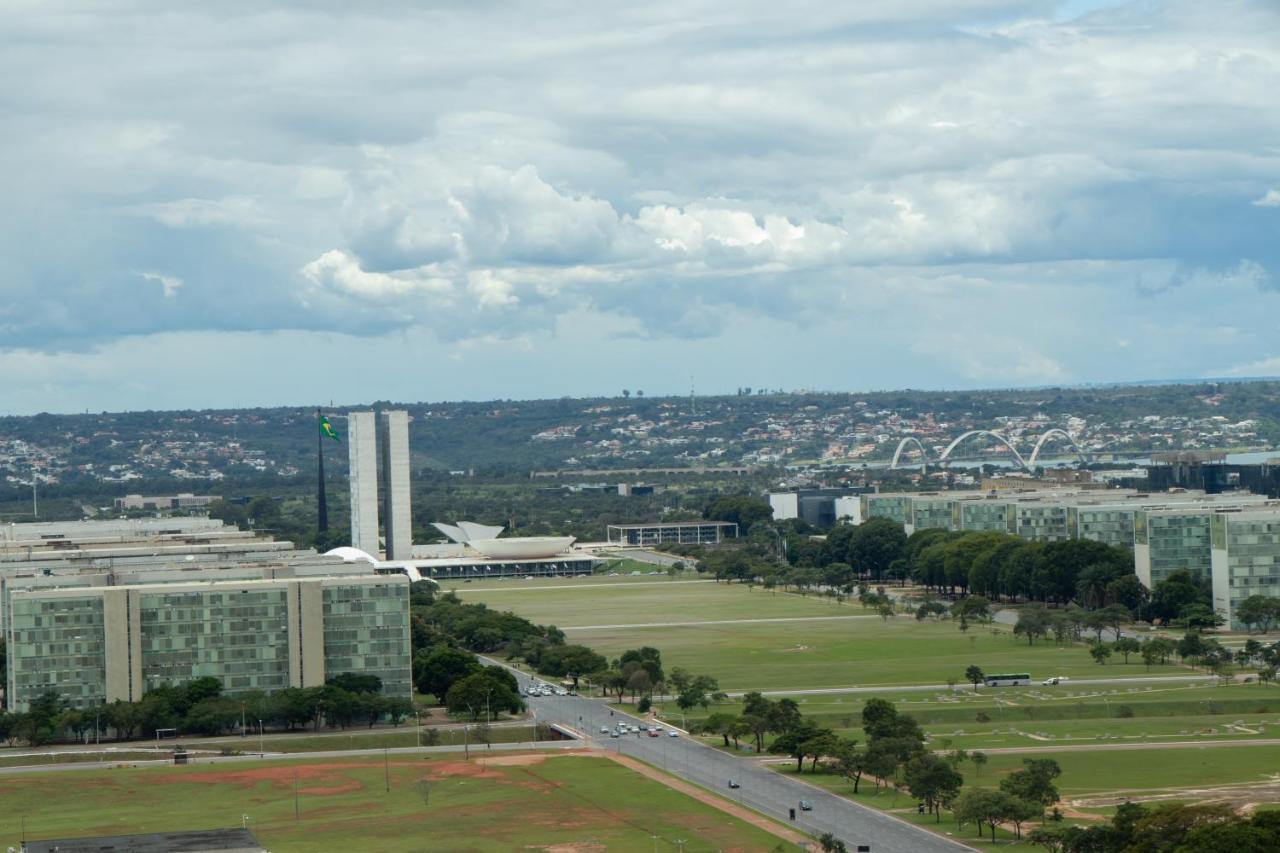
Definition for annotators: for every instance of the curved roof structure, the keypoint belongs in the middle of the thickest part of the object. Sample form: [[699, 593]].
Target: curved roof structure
[[522, 547], [351, 555], [455, 534], [480, 531]]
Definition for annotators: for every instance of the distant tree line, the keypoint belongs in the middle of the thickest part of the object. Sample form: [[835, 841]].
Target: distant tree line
[[1171, 828]]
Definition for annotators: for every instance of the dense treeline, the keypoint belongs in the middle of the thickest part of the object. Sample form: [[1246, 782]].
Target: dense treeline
[[1172, 828], [198, 707]]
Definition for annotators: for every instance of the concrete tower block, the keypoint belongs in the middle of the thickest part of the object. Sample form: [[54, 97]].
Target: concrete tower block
[[395, 475], [361, 444]]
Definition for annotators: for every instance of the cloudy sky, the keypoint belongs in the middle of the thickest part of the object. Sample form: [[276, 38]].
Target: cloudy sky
[[215, 205]]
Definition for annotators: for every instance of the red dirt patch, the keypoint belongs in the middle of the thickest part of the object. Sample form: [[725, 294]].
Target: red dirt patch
[[281, 777]]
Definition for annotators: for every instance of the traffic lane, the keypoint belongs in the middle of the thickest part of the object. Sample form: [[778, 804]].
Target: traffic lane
[[762, 789]]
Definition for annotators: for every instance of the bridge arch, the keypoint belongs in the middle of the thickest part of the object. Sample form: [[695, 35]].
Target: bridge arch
[[1050, 433], [902, 445], [997, 436]]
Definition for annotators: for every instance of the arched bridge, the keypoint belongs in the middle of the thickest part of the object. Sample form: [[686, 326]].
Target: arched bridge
[[1024, 463]]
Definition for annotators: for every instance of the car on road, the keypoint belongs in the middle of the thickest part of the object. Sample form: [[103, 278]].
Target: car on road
[[673, 733], [1057, 679], [806, 806], [604, 730], [653, 732], [613, 734], [733, 783]]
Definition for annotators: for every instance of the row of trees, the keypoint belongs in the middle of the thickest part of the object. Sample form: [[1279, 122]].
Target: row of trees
[[198, 707], [894, 754], [1177, 828]]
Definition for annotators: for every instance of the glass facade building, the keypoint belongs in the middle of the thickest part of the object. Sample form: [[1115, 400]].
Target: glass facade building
[[238, 636], [99, 644], [63, 644], [366, 630], [1231, 539], [1246, 559]]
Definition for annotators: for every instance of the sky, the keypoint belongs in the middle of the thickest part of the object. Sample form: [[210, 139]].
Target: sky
[[235, 204]]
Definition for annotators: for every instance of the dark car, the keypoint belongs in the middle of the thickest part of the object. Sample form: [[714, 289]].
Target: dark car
[[806, 806], [733, 783]]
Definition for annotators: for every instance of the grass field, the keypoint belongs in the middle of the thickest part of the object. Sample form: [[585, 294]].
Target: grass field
[[512, 803], [1036, 717], [780, 655], [613, 601]]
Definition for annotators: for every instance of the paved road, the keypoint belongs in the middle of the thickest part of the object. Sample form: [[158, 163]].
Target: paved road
[[762, 789]]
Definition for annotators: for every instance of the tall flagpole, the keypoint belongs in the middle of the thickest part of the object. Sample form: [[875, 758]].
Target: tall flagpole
[[322, 504]]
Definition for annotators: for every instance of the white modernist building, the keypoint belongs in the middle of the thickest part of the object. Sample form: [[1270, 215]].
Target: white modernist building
[[362, 448], [397, 520], [475, 551]]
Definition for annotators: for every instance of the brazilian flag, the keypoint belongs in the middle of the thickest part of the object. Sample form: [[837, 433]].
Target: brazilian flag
[[327, 430]]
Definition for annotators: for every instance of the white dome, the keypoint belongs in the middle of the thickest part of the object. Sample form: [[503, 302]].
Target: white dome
[[350, 555]]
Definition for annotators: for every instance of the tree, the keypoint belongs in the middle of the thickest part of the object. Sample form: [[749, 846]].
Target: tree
[[1156, 650], [1258, 612], [701, 691], [354, 682], [570, 660], [795, 742], [436, 670], [481, 690], [1099, 652], [971, 608], [979, 760], [974, 675], [1127, 646], [742, 510], [1034, 783], [647, 658], [1052, 838], [639, 683], [721, 723], [1033, 623], [850, 761], [933, 780], [1201, 617], [983, 806], [875, 544], [830, 844], [1129, 592], [1175, 593]]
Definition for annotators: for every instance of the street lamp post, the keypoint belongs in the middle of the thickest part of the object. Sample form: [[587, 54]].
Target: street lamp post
[[262, 751]]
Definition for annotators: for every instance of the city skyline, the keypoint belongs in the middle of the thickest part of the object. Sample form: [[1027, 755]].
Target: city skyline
[[307, 203]]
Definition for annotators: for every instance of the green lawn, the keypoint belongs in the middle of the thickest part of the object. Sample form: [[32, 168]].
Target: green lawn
[[778, 655], [848, 653], [1145, 769], [1035, 717], [616, 601], [344, 805]]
